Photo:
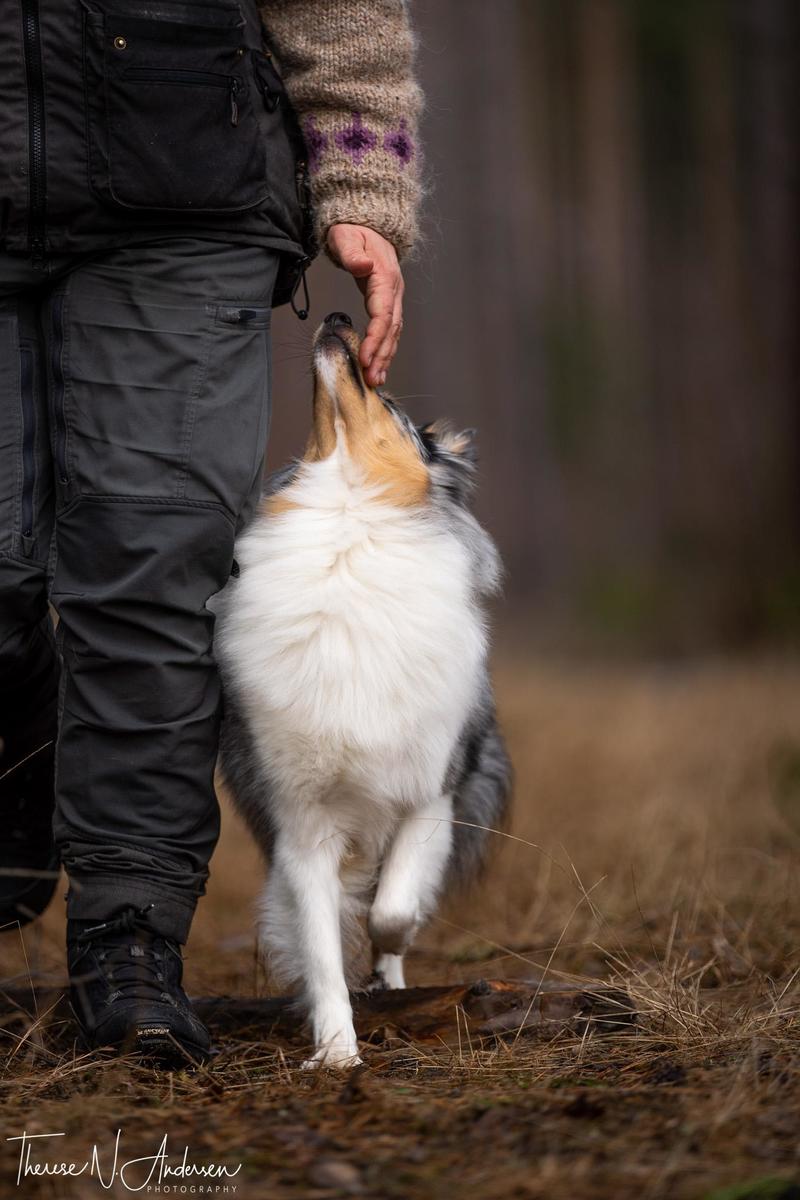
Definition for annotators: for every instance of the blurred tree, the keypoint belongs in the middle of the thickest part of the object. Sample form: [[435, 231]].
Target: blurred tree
[[608, 290]]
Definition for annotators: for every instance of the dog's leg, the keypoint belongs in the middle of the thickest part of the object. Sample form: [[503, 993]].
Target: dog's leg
[[387, 972], [308, 881], [408, 885]]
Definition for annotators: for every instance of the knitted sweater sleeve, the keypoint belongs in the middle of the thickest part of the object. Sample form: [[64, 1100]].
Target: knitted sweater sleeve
[[348, 66]]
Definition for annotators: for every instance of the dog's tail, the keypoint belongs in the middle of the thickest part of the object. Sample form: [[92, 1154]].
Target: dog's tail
[[481, 799]]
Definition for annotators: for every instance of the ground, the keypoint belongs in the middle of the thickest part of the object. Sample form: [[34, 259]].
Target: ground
[[654, 845]]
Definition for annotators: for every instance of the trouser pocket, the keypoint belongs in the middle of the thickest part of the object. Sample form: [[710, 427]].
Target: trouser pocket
[[124, 375], [160, 401], [232, 409]]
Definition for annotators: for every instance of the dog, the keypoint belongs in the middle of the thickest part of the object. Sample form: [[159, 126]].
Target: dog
[[360, 740]]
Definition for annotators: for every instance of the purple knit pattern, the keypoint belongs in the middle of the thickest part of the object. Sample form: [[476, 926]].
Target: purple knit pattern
[[356, 139], [316, 142], [399, 143]]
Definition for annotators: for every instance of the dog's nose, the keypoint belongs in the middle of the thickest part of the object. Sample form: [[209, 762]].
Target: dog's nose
[[336, 318]]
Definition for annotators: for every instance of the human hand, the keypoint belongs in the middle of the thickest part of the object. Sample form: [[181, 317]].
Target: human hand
[[372, 261]]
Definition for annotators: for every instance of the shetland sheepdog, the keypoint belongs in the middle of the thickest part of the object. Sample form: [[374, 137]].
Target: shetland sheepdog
[[360, 740]]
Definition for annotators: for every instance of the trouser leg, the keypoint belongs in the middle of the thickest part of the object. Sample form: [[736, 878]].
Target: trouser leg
[[28, 659], [159, 371]]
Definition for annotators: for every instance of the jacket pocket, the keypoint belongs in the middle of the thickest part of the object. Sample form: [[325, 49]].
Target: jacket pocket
[[174, 117]]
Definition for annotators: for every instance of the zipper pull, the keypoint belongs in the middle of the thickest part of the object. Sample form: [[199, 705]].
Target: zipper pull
[[301, 313], [234, 88]]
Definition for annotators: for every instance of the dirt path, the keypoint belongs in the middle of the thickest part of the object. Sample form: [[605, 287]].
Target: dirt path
[[659, 812]]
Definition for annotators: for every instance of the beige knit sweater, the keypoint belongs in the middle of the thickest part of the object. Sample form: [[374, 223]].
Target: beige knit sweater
[[348, 66]]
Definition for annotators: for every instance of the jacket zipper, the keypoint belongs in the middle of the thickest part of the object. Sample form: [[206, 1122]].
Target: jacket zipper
[[57, 369], [28, 439], [36, 137], [190, 78]]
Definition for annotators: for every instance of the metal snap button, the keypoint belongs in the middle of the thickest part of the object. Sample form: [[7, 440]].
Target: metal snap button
[[120, 43]]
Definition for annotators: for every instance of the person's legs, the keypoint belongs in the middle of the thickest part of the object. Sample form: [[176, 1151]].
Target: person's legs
[[28, 661], [158, 361]]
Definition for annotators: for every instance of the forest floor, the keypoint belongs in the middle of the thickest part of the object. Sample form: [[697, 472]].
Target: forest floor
[[655, 846]]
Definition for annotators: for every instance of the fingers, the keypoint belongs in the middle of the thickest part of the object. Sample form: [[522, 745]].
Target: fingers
[[387, 347], [372, 260], [384, 304]]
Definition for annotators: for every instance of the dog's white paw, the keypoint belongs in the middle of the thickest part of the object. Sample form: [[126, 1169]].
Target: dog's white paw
[[338, 1056], [335, 1042]]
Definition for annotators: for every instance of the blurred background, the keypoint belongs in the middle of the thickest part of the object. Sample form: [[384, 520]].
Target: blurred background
[[607, 290]]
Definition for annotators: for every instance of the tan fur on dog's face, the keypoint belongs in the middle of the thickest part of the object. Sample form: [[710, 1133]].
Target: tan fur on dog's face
[[345, 406]]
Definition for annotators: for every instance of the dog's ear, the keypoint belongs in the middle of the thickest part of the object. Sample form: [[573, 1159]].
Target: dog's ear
[[452, 458], [462, 443]]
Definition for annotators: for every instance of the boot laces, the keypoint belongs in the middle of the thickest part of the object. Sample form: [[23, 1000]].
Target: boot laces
[[127, 949]]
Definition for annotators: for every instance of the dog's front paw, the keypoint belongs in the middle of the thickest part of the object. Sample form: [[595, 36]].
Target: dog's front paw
[[335, 1042], [337, 1055]]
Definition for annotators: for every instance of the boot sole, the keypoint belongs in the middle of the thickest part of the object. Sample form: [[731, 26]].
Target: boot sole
[[166, 1051], [156, 1048]]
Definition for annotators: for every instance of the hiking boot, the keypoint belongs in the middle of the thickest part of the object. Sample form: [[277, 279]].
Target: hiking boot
[[29, 863], [125, 990]]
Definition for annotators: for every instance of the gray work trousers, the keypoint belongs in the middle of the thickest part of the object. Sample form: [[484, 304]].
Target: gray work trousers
[[134, 409]]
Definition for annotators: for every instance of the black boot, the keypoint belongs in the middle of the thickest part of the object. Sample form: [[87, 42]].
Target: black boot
[[29, 862], [125, 990]]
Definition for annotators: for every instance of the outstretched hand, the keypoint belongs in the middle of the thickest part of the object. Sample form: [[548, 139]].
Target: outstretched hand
[[372, 261]]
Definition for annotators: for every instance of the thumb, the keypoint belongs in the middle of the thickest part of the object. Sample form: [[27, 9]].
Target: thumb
[[349, 252], [356, 261]]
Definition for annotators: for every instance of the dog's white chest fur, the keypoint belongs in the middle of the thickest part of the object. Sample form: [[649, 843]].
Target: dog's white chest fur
[[356, 643]]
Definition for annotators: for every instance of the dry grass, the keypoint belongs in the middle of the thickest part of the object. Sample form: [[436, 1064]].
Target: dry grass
[[659, 815]]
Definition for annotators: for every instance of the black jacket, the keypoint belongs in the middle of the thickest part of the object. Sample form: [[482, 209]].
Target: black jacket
[[127, 120]]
